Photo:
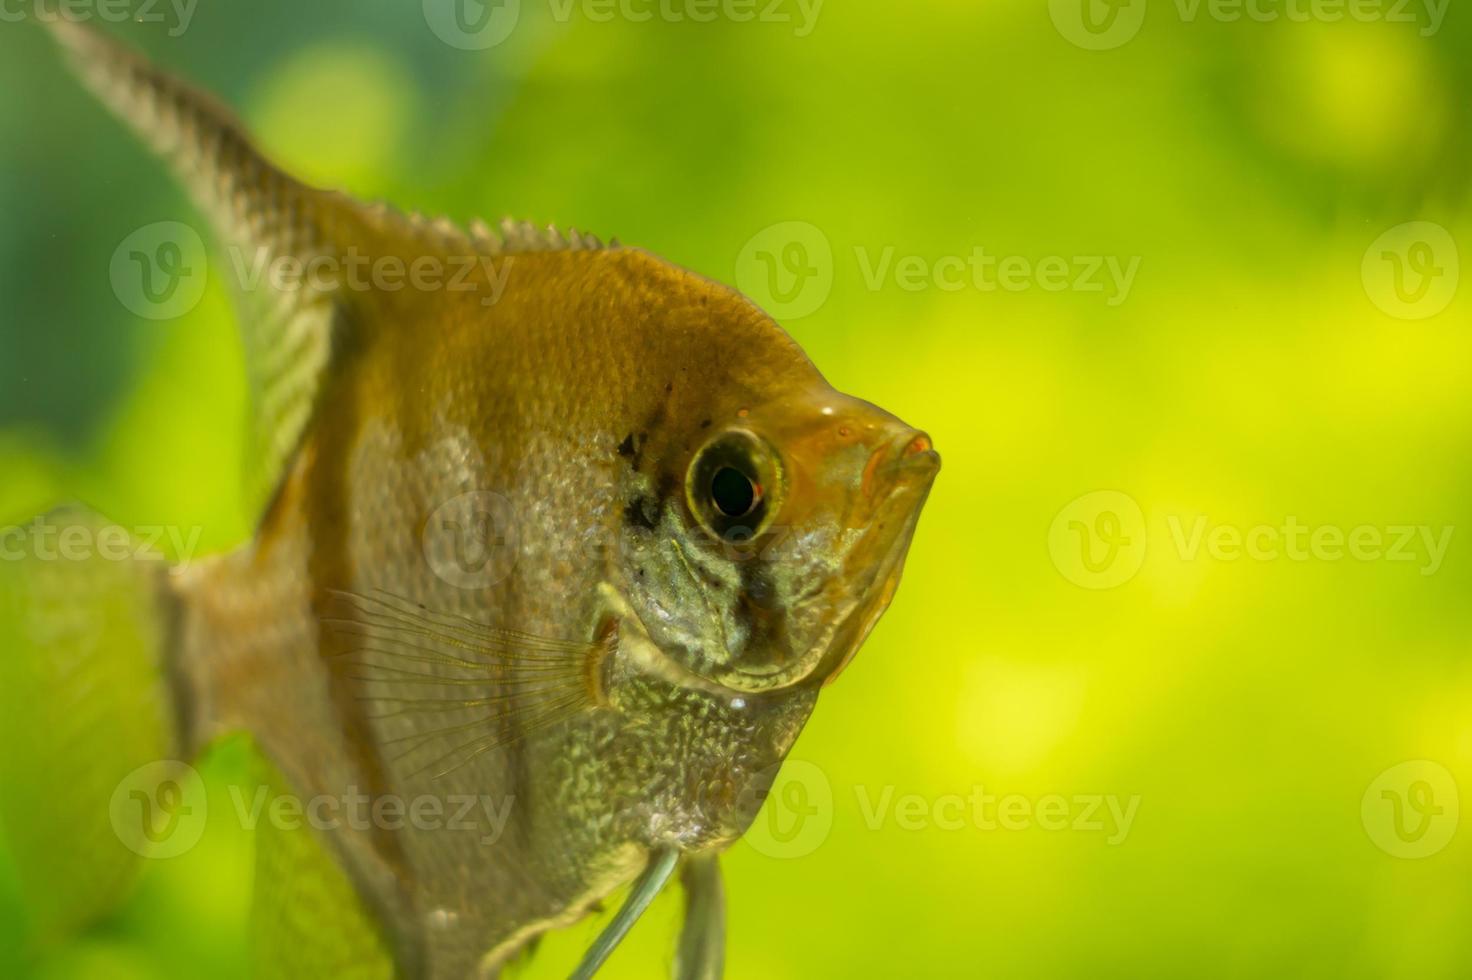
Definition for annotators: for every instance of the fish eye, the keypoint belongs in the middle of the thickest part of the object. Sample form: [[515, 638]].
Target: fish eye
[[732, 482], [733, 492]]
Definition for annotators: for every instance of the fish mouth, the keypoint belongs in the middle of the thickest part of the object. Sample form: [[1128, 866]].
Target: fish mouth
[[877, 591]]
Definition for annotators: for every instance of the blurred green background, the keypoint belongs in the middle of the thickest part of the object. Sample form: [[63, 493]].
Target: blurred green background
[[1259, 368]]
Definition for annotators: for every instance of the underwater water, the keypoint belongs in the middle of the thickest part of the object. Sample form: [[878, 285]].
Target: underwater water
[[1179, 681]]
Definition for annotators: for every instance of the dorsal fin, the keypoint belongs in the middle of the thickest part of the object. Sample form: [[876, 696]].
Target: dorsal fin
[[260, 212], [509, 237], [255, 209]]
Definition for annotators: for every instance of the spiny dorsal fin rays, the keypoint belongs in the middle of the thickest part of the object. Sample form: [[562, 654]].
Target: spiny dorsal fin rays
[[509, 237]]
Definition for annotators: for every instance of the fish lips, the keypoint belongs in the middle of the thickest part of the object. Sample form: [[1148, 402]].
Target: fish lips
[[872, 571]]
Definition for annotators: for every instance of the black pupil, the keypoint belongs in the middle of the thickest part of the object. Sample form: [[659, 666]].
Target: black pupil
[[733, 492]]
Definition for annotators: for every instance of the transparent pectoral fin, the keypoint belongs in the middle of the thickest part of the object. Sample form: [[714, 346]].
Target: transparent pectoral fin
[[650, 883], [702, 951]]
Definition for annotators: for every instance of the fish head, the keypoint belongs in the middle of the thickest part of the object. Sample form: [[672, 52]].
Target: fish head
[[794, 517]]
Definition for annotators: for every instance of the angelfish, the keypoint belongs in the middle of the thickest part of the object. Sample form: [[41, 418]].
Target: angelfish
[[564, 526]]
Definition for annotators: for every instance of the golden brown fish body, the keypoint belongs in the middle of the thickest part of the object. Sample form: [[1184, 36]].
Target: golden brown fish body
[[580, 400], [582, 538]]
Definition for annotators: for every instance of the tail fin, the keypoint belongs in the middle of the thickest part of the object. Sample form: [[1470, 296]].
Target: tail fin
[[84, 702]]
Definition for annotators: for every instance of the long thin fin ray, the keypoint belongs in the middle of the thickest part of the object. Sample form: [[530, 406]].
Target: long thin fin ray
[[482, 687]]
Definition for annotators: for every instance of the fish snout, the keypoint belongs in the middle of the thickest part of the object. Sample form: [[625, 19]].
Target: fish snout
[[906, 459]]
